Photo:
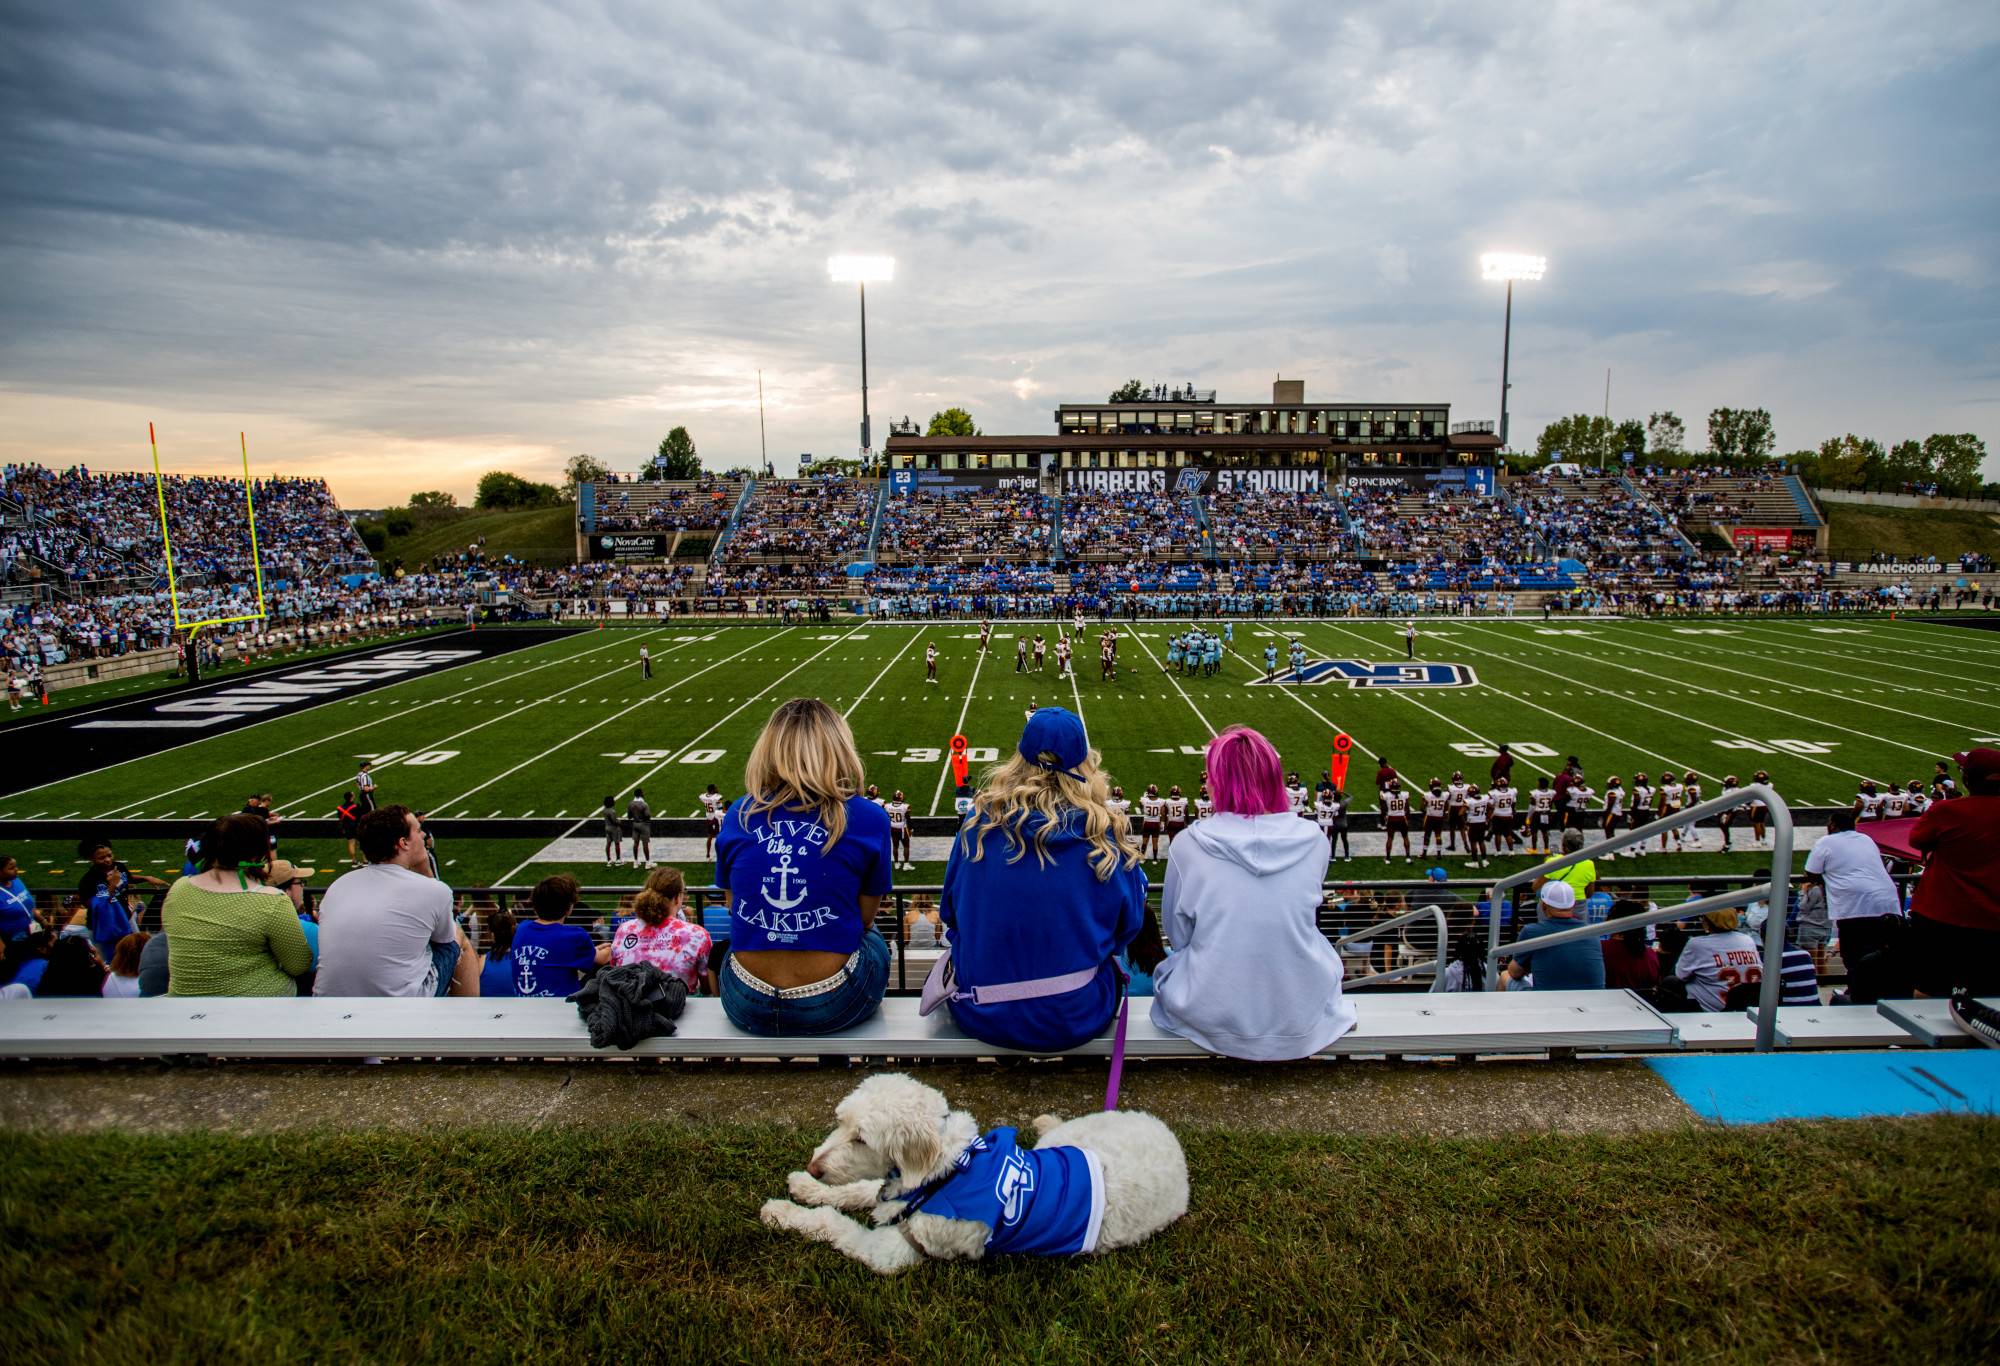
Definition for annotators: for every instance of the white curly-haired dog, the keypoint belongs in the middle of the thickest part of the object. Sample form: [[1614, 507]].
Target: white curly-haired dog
[[937, 1187]]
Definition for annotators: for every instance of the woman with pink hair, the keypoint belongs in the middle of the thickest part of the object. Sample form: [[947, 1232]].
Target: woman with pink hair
[[1250, 974]]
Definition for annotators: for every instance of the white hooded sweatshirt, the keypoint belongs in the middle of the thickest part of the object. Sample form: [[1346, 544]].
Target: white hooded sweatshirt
[[1250, 975]]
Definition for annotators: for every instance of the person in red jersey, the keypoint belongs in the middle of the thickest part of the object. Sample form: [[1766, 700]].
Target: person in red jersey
[[1954, 934]]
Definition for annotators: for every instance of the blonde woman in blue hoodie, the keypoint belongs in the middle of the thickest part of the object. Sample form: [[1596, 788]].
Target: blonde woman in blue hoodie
[[1250, 975]]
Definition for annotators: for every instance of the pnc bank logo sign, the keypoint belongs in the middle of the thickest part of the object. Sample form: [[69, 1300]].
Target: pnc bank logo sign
[[1361, 673]]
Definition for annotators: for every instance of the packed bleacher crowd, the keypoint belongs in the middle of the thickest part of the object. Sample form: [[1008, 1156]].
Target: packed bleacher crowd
[[964, 525], [1593, 518], [1269, 526], [819, 520], [1162, 527], [677, 505], [93, 526], [1441, 526]]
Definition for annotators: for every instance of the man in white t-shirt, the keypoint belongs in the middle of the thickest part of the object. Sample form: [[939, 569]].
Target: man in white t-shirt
[[387, 929], [1861, 900]]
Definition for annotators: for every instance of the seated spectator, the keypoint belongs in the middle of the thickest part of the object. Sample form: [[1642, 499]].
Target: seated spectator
[[387, 929], [804, 860], [230, 934], [660, 933], [122, 983], [1042, 934], [1955, 918], [1250, 975], [1467, 969], [18, 917], [155, 974], [1801, 979], [1581, 875], [551, 957], [1716, 961], [27, 959], [496, 966], [74, 969], [1577, 966], [923, 927], [1630, 963]]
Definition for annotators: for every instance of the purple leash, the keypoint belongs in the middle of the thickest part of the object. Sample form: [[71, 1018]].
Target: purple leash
[[1117, 1054]]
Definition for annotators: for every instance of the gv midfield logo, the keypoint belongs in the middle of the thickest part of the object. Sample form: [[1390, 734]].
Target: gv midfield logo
[[1361, 673]]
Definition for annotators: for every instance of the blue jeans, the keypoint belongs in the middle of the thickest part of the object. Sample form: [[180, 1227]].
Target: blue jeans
[[444, 957], [853, 1001]]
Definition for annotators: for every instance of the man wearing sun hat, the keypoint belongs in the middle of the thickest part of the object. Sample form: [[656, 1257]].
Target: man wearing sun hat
[[1954, 935], [1566, 967]]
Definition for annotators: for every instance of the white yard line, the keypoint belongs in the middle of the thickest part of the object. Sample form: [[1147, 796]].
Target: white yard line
[[1971, 638], [643, 778], [1801, 687], [1682, 717], [1449, 721], [914, 636], [1929, 661], [1738, 698], [1651, 756], [323, 740], [1294, 694], [1177, 684], [460, 735], [626, 710], [978, 663]]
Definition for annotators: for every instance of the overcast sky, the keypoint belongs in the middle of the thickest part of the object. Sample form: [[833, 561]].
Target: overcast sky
[[402, 244]]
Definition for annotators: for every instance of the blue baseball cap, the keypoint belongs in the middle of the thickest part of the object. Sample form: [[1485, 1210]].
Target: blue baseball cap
[[1436, 874], [1054, 739]]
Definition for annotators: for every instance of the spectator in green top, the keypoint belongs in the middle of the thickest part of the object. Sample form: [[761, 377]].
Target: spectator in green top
[[228, 932], [1581, 876]]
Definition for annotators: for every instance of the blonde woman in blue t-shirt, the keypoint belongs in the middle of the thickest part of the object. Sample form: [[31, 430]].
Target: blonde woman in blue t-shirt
[[803, 861]]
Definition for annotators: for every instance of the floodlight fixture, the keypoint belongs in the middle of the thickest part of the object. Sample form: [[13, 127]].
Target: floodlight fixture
[[1509, 266], [1512, 265], [861, 270]]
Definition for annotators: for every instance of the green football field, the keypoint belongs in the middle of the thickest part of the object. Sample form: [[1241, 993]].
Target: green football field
[[549, 731]]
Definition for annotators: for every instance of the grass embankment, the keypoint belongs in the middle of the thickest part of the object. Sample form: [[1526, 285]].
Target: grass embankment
[[1841, 1241], [544, 535], [1859, 530]]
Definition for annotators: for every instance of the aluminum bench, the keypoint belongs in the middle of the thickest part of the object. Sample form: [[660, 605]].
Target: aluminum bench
[[245, 1027], [1930, 1021]]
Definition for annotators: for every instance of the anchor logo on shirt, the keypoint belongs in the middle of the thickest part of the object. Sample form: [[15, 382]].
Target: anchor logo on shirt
[[784, 874]]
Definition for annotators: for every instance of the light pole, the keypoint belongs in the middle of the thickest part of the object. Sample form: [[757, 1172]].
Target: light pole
[[860, 270], [1509, 266]]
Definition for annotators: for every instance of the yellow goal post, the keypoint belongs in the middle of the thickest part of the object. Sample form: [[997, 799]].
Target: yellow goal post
[[166, 539]]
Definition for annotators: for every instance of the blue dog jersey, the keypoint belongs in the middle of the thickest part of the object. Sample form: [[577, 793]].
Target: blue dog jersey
[[1041, 1202]]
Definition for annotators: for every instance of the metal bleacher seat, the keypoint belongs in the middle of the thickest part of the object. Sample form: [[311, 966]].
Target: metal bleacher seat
[[1931, 1021], [1839, 1027], [243, 1027]]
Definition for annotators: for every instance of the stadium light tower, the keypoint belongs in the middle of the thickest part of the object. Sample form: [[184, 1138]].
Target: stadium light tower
[[1509, 266], [860, 270]]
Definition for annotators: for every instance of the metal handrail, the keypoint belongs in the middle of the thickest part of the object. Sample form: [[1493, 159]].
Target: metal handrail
[[1775, 893], [1436, 964]]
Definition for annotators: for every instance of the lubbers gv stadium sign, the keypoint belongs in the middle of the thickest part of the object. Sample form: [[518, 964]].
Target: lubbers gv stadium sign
[[1190, 480]]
